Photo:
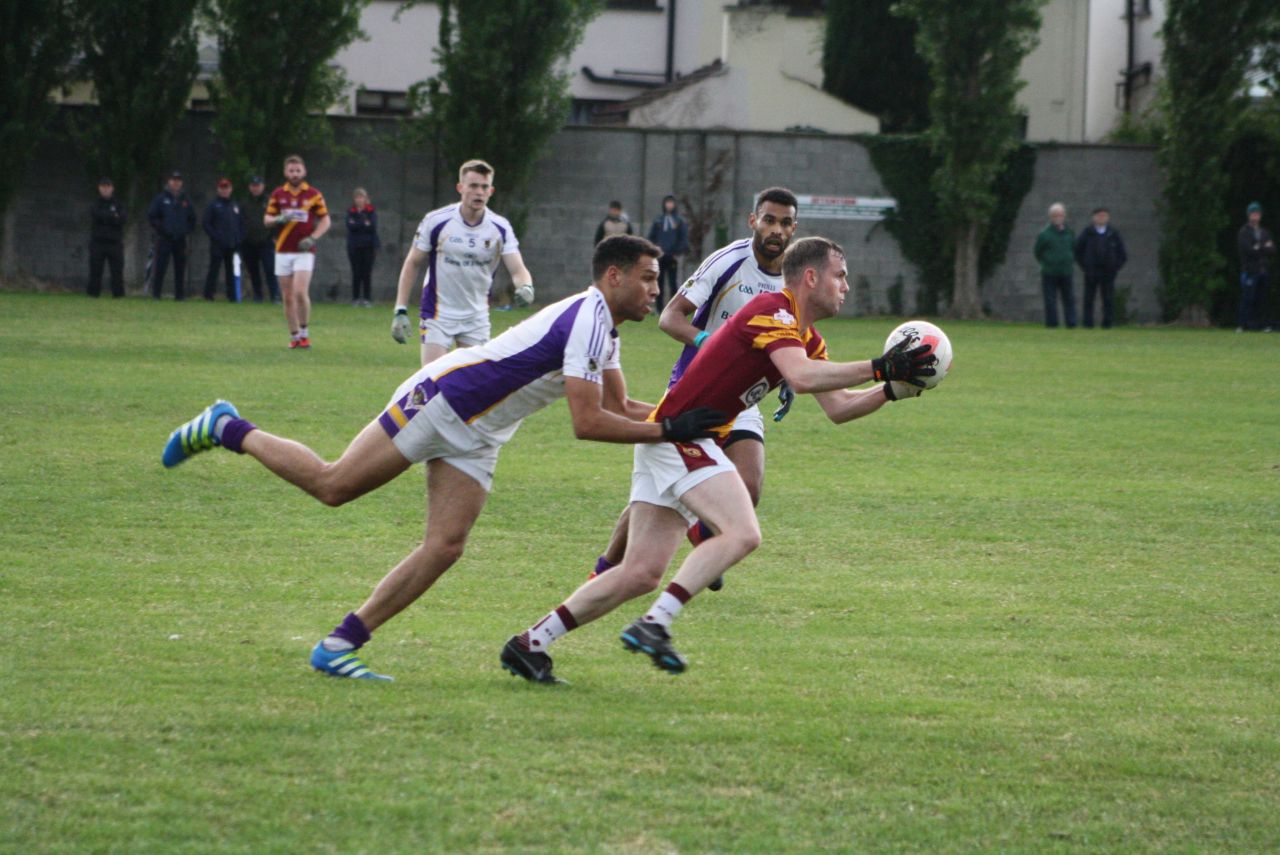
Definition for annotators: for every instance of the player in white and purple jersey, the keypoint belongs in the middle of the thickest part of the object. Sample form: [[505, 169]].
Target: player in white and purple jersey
[[727, 280], [461, 245], [455, 414]]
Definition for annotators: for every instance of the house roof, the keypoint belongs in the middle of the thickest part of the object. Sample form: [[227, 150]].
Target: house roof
[[698, 74]]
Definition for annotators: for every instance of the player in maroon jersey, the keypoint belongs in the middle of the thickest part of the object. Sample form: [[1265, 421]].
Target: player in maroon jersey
[[673, 483], [298, 209]]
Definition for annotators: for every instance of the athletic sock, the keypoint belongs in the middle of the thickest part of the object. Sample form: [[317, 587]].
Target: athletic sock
[[232, 432], [699, 532], [668, 605], [293, 334], [302, 333], [539, 636], [351, 634], [602, 564]]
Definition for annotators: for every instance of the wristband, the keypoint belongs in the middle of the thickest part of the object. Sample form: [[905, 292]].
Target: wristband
[[700, 338], [402, 310]]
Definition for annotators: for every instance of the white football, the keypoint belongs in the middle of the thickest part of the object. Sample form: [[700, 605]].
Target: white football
[[917, 333]]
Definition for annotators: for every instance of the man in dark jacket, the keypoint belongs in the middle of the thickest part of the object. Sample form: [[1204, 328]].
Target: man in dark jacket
[[172, 218], [224, 225], [616, 222], [1055, 250], [1100, 254], [670, 232], [106, 240], [362, 246], [258, 250], [1257, 249]]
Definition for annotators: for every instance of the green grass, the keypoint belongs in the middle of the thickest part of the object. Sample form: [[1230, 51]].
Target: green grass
[[1037, 610]]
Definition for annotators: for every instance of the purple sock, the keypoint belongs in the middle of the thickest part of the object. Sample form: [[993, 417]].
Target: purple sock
[[352, 629], [234, 432], [603, 564]]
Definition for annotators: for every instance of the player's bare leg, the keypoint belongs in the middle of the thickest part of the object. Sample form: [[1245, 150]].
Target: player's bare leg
[[370, 461], [288, 303], [301, 296], [454, 502], [431, 352]]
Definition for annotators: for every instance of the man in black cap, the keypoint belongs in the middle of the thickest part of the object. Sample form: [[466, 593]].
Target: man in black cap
[[224, 225], [106, 240], [257, 250], [173, 218]]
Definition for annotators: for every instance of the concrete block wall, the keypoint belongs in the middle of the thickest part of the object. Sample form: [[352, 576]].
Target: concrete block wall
[[574, 180]]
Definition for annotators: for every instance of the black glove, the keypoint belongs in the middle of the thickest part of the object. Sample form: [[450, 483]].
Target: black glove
[[695, 424], [909, 392], [786, 397], [898, 363]]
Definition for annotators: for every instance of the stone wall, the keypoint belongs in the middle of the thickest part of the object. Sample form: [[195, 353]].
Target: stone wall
[[717, 172]]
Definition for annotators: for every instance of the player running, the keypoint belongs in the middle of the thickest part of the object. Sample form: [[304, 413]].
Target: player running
[[726, 281], [769, 340], [299, 211], [461, 245], [456, 413]]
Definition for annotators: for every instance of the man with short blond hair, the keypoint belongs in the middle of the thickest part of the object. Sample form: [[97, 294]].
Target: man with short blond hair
[[1055, 250], [299, 211], [460, 244]]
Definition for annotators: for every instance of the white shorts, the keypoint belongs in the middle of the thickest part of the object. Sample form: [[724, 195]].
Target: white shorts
[[751, 421], [665, 471], [464, 333], [287, 263], [423, 426]]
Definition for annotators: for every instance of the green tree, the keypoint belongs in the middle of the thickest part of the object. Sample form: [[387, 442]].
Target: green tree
[[973, 51], [275, 80], [1207, 49], [35, 56], [869, 59], [501, 91], [140, 57]]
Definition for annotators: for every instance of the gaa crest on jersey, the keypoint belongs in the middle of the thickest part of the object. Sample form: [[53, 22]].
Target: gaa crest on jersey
[[785, 317], [417, 397], [756, 393], [592, 365]]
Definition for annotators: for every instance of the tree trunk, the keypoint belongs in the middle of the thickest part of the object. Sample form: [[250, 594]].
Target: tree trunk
[[966, 301], [135, 256], [8, 258]]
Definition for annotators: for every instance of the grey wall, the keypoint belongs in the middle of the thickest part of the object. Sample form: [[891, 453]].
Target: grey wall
[[46, 228]]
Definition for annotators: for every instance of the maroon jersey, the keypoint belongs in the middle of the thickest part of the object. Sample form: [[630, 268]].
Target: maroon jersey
[[302, 208], [732, 370]]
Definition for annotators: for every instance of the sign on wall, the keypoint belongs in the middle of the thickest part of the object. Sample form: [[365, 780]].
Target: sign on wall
[[844, 207]]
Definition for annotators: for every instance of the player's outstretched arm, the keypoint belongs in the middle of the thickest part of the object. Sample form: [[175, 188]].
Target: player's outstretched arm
[[616, 400], [845, 405], [592, 421], [674, 320], [809, 376]]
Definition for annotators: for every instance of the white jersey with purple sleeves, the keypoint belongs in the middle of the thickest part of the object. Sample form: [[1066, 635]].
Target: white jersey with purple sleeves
[[461, 261], [493, 386], [726, 281]]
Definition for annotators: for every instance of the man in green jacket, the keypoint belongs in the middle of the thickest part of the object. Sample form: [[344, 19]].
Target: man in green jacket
[[1055, 252]]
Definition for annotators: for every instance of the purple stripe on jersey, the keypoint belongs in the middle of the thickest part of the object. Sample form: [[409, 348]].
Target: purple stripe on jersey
[[501, 230], [409, 403], [474, 389], [429, 293], [703, 314], [718, 254], [682, 364]]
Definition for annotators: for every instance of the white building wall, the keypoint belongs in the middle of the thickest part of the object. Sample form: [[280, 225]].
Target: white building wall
[[1055, 74]]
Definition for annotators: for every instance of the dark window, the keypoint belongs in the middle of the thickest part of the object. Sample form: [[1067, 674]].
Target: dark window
[[375, 102], [634, 5]]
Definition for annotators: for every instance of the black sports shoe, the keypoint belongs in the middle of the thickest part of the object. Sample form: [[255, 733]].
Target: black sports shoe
[[653, 638], [717, 584], [534, 667]]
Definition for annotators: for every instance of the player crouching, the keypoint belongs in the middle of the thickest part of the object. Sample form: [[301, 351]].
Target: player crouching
[[769, 340]]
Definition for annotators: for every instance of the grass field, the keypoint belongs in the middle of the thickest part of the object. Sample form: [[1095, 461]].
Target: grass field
[[1037, 610]]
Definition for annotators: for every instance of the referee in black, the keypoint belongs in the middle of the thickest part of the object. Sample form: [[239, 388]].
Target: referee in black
[[106, 240]]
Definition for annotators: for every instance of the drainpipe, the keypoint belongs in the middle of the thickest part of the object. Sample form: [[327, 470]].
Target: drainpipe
[[671, 40], [1129, 15]]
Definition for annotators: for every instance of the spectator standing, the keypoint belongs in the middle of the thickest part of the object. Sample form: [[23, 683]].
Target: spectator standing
[[1257, 248], [172, 218], [106, 239], [616, 222], [257, 250], [224, 224], [671, 233], [362, 246], [1055, 250], [1100, 254]]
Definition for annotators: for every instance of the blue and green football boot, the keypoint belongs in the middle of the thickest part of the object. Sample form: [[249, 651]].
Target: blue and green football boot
[[196, 435]]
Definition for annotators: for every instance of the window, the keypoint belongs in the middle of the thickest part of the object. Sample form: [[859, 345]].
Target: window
[[375, 102], [633, 5]]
